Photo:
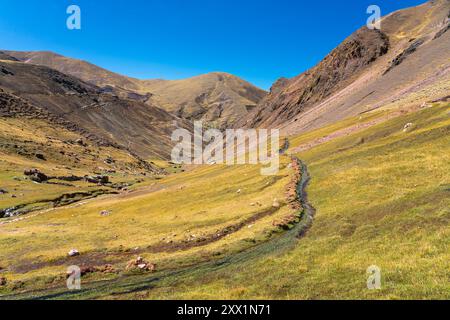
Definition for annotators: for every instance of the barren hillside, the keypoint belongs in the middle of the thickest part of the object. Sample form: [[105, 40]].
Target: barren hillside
[[218, 98], [407, 62], [139, 127]]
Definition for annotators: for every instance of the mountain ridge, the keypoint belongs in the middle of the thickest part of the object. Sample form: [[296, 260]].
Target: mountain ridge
[[142, 128], [413, 70], [218, 98]]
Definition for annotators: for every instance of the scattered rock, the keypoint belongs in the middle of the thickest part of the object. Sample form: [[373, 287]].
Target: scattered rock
[[80, 142], [140, 264], [84, 270], [100, 179], [109, 160], [73, 253], [36, 175], [408, 127], [105, 213], [107, 268], [40, 156], [276, 204], [425, 105], [287, 222], [71, 178]]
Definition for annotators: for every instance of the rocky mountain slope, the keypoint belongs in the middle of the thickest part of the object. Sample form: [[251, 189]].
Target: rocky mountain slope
[[107, 119], [406, 62], [219, 98]]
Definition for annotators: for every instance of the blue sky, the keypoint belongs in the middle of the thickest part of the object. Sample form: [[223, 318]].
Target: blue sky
[[258, 40]]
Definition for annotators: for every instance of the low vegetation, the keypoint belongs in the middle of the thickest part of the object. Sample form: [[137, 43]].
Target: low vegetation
[[381, 194]]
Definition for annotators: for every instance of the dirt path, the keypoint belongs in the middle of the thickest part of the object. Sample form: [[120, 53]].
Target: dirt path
[[127, 284]]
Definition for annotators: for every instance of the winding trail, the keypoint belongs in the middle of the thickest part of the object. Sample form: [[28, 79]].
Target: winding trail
[[127, 284]]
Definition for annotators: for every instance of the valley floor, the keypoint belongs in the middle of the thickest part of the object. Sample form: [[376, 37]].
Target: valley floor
[[382, 196]]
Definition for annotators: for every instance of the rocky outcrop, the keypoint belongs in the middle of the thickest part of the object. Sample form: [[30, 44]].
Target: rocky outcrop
[[36, 175], [402, 56], [369, 69], [289, 97]]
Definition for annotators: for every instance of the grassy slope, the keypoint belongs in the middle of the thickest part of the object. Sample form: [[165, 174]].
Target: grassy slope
[[37, 137], [20, 140], [384, 202], [382, 197], [198, 202]]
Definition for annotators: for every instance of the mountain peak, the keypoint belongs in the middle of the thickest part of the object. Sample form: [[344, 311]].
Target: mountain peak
[[198, 98]]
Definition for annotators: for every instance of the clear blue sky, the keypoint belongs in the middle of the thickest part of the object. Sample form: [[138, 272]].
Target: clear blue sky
[[258, 40]]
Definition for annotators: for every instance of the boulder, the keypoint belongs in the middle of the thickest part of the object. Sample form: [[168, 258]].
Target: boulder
[[105, 213], [276, 204], [140, 264], [73, 253], [3, 281], [36, 175], [40, 156], [100, 179], [408, 127], [109, 160], [3, 191]]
